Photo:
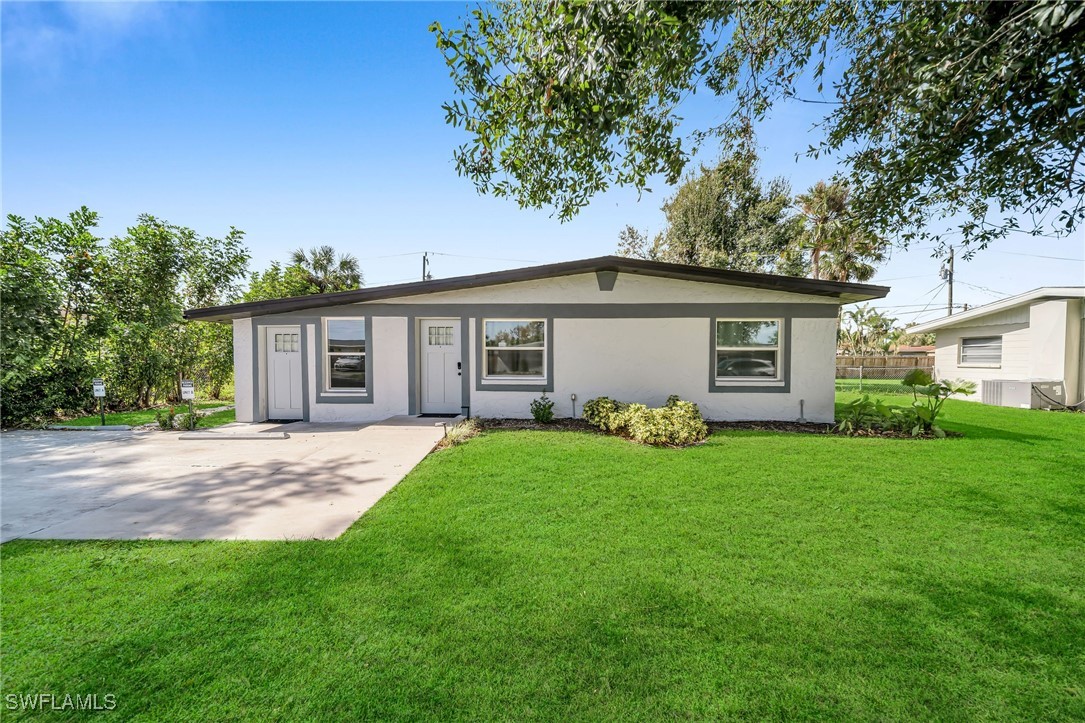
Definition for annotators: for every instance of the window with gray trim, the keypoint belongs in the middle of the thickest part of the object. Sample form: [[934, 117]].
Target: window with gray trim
[[982, 351], [748, 350], [344, 355], [514, 349]]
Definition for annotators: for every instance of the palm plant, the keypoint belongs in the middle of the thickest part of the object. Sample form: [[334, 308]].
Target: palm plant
[[840, 249], [327, 271]]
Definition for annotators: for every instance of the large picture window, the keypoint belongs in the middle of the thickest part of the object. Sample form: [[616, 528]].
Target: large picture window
[[982, 351], [344, 354], [747, 350], [514, 349]]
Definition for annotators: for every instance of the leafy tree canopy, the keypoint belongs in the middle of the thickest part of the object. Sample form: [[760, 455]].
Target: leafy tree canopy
[[724, 216], [974, 110], [320, 270]]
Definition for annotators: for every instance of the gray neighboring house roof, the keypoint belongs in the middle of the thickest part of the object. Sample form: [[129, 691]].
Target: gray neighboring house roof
[[845, 292], [1044, 293]]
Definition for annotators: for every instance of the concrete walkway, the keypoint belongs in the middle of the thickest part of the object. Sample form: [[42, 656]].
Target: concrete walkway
[[153, 485]]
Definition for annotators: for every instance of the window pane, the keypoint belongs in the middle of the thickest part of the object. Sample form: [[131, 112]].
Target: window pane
[[347, 372], [346, 335], [293, 342], [440, 336], [514, 362], [515, 333], [752, 363], [982, 350], [278, 342], [747, 333]]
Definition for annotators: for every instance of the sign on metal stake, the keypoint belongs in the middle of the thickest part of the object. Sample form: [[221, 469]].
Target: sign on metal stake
[[99, 393]]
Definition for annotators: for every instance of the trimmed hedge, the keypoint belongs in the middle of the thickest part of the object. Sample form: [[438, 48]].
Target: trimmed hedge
[[676, 424]]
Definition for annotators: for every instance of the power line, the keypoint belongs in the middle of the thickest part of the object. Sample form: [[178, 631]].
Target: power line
[[1039, 256]]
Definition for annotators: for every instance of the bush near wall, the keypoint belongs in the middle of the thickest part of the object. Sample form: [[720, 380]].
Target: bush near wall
[[676, 424]]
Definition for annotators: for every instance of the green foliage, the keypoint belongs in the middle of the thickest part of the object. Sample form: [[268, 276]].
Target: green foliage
[[921, 417], [939, 110], [542, 409], [75, 308], [326, 271], [676, 424], [166, 418], [726, 217], [929, 396], [190, 420], [840, 247]]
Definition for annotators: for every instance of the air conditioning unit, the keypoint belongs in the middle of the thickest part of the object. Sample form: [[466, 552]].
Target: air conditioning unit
[[1024, 393]]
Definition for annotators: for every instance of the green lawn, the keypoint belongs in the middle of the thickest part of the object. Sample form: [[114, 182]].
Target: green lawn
[[143, 416], [562, 576], [873, 387]]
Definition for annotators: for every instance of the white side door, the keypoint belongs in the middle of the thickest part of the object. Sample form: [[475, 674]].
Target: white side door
[[442, 390], [284, 372]]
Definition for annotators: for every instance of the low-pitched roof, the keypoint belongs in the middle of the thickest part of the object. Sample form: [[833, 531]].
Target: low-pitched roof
[[1043, 293], [845, 292]]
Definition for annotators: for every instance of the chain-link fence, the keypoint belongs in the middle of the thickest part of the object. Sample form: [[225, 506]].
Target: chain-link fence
[[883, 380]]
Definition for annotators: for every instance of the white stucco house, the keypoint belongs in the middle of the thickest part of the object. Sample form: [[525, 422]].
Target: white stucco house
[[742, 346], [1033, 337]]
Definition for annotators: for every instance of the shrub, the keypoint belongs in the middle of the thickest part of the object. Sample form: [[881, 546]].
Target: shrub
[[677, 424], [189, 420], [542, 409], [928, 397], [460, 433], [859, 415], [167, 420]]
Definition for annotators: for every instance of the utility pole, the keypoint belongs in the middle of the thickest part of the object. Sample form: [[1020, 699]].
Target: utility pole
[[425, 266], [947, 275]]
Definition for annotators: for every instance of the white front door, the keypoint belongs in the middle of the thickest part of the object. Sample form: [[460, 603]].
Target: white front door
[[284, 372], [442, 390]]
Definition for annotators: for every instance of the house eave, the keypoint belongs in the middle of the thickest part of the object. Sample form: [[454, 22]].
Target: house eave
[[844, 293]]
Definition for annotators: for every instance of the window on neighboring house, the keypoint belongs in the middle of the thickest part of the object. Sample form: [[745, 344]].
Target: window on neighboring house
[[514, 349], [344, 354], [748, 350], [982, 351]]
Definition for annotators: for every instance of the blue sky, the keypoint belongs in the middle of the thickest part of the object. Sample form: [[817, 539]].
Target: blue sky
[[310, 123]]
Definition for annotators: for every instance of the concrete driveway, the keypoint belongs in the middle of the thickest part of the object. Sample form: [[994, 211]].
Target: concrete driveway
[[154, 485]]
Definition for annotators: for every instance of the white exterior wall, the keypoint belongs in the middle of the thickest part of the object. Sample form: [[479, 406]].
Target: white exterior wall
[[631, 357], [646, 360], [243, 362], [388, 370]]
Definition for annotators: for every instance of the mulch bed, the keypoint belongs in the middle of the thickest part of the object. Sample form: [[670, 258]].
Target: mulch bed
[[579, 425], [558, 425]]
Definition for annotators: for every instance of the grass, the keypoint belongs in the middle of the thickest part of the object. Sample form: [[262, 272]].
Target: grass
[[881, 387], [138, 416], [558, 575]]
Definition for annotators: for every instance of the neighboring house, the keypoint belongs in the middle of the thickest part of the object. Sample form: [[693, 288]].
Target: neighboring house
[[741, 345], [1034, 336], [914, 351]]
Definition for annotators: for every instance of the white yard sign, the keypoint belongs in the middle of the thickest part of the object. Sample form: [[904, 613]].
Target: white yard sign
[[99, 387], [188, 389]]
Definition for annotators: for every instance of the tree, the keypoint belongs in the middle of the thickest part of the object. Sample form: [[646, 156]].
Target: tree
[[75, 308], [276, 282], [325, 271], [840, 247], [725, 217], [969, 110], [866, 331]]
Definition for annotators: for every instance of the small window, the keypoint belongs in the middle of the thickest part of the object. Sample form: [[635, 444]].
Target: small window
[[286, 342], [515, 349], [748, 350], [982, 351], [345, 354], [440, 336]]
